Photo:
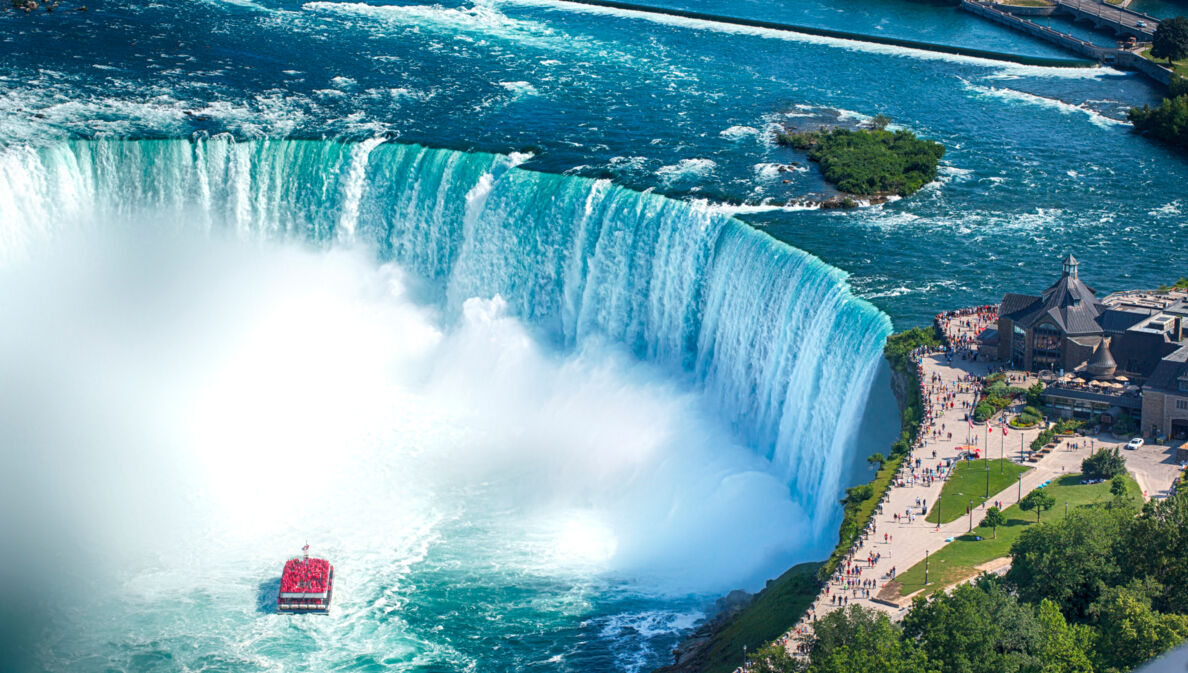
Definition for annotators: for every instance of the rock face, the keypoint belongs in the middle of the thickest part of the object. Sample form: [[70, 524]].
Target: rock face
[[899, 387], [837, 201], [688, 656]]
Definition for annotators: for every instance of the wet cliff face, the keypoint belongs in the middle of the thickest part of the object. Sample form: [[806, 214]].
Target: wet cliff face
[[900, 384], [545, 389]]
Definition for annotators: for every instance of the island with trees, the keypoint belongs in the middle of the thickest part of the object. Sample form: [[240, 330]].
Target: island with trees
[[869, 162]]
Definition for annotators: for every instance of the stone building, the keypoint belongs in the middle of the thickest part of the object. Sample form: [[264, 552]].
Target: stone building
[[1165, 398]]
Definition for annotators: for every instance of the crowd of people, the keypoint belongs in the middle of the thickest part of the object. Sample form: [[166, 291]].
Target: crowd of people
[[848, 582]]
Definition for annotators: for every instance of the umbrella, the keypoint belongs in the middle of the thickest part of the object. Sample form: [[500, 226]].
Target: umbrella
[[1095, 384], [1121, 378]]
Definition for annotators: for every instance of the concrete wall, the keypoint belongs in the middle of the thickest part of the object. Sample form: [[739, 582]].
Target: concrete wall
[[1133, 61], [1026, 11], [1069, 42]]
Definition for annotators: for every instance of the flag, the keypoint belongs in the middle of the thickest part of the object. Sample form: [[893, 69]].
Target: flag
[[989, 429], [970, 418], [1004, 431]]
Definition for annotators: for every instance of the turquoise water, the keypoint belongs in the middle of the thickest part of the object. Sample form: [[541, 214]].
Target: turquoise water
[[559, 128]]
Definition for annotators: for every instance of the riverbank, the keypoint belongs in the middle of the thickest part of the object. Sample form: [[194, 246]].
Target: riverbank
[[719, 644]]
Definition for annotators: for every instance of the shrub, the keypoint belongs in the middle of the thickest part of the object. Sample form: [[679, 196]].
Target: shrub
[[983, 411], [1103, 464], [1168, 122], [1125, 425], [870, 161], [1035, 395]]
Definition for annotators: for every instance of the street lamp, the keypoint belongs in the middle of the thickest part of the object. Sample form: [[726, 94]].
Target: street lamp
[[971, 516], [925, 567], [1020, 498]]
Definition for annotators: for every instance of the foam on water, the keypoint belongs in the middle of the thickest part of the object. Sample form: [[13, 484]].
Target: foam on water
[[1013, 95], [543, 381]]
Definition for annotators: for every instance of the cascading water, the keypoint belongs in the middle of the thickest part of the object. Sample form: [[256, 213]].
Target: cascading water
[[772, 334], [698, 378]]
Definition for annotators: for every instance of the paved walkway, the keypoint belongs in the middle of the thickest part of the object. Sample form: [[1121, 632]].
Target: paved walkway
[[950, 389]]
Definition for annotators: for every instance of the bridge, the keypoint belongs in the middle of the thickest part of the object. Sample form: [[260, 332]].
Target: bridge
[[1015, 16], [1103, 15]]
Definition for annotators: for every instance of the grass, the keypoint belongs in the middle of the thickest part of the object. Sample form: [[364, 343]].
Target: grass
[[969, 483], [856, 518], [959, 559], [1181, 67], [775, 609]]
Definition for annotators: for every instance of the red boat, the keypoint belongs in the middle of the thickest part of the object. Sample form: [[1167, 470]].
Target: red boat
[[306, 585]]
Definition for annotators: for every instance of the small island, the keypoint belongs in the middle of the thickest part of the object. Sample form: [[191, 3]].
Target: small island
[[871, 162]]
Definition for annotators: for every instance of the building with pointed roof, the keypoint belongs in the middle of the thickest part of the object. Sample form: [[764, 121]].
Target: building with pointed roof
[[1132, 338], [1058, 330]]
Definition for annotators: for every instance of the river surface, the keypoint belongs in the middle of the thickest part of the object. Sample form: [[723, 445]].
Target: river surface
[[608, 400]]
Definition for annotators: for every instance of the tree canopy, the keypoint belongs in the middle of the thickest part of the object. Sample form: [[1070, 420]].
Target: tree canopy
[[1171, 39], [1070, 561], [1039, 500], [1105, 463], [870, 161]]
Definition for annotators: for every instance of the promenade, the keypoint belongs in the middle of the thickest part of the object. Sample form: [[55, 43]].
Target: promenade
[[950, 383]]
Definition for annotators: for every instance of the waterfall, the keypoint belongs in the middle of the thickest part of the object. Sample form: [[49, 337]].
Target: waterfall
[[771, 335]]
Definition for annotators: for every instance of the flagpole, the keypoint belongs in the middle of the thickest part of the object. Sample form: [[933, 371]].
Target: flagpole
[[1002, 451]]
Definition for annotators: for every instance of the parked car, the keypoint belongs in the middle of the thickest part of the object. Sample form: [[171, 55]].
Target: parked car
[[1134, 443]]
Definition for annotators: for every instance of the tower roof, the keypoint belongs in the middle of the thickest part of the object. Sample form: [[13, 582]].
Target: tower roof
[[1069, 303], [1102, 365]]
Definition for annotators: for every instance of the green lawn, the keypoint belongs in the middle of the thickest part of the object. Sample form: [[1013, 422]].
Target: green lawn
[[1181, 67], [969, 483], [959, 559]]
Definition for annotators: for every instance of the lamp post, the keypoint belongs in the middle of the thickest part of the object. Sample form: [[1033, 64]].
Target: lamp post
[[925, 567], [971, 516], [1020, 499]]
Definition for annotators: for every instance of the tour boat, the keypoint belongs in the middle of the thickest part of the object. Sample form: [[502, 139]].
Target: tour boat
[[306, 585]]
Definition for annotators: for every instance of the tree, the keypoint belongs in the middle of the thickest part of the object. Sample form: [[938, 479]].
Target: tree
[[876, 459], [994, 519], [860, 639], [978, 628], [773, 659], [880, 122], [1118, 489], [1038, 500], [1035, 395], [1069, 561], [1171, 39], [1060, 648], [1105, 463], [1156, 546], [1130, 632]]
